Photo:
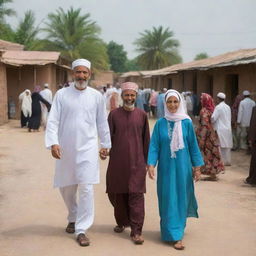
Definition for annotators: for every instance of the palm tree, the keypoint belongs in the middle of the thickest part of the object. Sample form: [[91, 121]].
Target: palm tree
[[5, 11], [26, 32], [75, 36], [157, 49], [6, 31]]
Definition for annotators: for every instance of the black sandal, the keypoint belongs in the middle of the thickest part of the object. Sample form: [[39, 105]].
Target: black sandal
[[70, 228]]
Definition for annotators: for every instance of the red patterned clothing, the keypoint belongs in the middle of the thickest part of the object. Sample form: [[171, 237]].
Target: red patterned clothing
[[209, 144]]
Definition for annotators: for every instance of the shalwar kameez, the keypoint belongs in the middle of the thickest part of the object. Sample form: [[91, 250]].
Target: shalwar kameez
[[76, 119]]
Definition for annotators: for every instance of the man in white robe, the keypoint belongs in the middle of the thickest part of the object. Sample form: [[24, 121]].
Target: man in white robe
[[221, 119], [77, 118], [46, 93], [244, 117]]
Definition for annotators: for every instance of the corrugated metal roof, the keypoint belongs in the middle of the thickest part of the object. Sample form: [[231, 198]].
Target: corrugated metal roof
[[20, 58], [244, 56], [132, 73], [240, 57], [6, 45]]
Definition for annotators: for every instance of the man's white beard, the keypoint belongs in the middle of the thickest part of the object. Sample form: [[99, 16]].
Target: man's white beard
[[82, 85], [129, 106]]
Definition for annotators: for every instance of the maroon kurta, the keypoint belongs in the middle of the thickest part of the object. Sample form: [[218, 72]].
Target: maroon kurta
[[251, 179], [128, 156]]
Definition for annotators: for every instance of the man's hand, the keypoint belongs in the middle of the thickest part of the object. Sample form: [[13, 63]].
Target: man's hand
[[151, 172], [56, 152], [103, 153]]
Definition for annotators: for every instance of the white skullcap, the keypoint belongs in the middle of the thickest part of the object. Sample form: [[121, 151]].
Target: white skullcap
[[246, 93], [81, 62], [46, 85], [221, 95]]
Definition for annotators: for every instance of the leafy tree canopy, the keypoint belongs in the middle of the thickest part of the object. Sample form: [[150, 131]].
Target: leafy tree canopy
[[117, 57], [202, 55], [157, 49]]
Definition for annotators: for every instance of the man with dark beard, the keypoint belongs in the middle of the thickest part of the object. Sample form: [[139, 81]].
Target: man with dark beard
[[126, 172], [77, 118]]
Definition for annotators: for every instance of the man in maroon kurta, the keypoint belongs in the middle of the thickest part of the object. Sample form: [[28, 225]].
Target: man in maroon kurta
[[126, 172], [251, 179]]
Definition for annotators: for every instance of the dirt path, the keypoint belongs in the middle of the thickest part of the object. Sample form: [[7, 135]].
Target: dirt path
[[33, 216]]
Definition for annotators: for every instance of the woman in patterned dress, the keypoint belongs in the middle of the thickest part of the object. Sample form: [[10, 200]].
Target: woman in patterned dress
[[208, 139]]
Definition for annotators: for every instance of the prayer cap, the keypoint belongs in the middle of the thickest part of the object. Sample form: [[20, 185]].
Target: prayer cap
[[129, 86], [246, 93], [221, 95], [46, 85], [81, 62]]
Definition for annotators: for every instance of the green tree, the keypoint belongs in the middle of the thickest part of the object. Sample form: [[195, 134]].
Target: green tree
[[157, 49], [117, 57], [202, 55], [75, 36], [132, 65], [6, 31], [27, 31], [5, 11]]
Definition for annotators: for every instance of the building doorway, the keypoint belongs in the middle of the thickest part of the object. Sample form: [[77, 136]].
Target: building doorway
[[231, 88], [209, 85], [169, 83]]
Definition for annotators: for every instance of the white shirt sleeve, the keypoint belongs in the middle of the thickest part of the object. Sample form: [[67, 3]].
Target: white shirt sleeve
[[102, 124], [52, 128], [215, 115]]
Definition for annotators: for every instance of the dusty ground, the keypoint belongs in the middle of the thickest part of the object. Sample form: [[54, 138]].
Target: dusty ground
[[33, 216]]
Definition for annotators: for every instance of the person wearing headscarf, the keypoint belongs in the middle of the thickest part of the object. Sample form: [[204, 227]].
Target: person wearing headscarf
[[126, 173], [235, 129], [208, 139], [26, 107], [46, 93], [77, 119], [244, 117], [221, 119], [35, 119], [174, 149]]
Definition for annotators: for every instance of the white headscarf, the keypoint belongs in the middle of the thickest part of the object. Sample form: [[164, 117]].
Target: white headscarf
[[177, 141], [26, 103]]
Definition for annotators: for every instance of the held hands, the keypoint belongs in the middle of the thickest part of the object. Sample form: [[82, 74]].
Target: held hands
[[151, 172], [103, 153], [56, 151], [196, 174]]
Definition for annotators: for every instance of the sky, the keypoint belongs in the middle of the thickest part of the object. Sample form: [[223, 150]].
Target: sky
[[211, 26]]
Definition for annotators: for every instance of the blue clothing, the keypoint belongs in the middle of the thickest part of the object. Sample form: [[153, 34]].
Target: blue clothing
[[175, 186], [139, 100], [160, 105]]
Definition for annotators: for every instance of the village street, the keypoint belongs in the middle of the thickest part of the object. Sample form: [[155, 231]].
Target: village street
[[33, 216]]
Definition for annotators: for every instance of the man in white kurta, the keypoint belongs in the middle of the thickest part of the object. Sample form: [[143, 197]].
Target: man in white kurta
[[77, 118], [46, 93], [221, 119], [244, 117]]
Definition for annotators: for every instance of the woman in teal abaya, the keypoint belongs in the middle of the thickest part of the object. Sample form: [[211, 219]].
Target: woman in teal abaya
[[174, 148]]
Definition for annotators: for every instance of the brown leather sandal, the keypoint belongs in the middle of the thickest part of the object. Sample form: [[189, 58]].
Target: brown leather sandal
[[137, 239], [83, 240], [178, 245], [119, 229], [70, 228]]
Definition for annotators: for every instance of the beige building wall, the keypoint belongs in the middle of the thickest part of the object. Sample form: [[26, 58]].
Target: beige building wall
[[3, 95], [26, 77], [102, 78]]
